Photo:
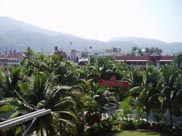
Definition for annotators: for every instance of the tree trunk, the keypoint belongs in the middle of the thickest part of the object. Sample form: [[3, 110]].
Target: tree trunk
[[42, 132], [170, 114], [147, 113]]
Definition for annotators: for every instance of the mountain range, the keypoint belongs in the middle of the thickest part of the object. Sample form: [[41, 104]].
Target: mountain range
[[17, 35]]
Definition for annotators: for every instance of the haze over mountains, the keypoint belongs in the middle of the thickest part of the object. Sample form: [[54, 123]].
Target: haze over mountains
[[19, 35]]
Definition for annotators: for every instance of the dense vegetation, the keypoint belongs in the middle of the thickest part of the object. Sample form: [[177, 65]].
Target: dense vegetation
[[79, 106]]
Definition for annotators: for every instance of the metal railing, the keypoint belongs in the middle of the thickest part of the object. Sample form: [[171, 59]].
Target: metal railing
[[24, 118]]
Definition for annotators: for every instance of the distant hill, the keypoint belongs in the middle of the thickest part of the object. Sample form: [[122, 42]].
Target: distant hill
[[139, 40], [18, 35]]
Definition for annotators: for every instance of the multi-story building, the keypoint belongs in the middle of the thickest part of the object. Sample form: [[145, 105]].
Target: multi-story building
[[112, 52], [75, 55], [13, 58], [144, 61]]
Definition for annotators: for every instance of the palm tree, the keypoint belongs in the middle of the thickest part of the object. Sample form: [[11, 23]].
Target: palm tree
[[134, 76], [171, 80], [9, 81], [65, 73], [177, 104], [178, 61], [147, 94], [40, 93], [10, 91]]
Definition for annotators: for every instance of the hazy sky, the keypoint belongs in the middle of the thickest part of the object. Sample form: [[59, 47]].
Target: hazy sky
[[101, 19]]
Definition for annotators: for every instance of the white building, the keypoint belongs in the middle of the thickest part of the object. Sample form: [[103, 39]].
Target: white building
[[12, 59]]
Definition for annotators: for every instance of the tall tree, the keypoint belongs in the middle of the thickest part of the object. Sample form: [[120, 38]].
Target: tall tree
[[169, 76], [147, 93]]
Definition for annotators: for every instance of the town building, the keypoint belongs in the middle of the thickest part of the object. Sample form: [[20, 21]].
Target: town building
[[13, 58], [112, 52], [59, 52], [144, 61], [75, 55], [83, 61]]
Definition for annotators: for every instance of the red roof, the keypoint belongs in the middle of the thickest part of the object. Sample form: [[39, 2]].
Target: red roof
[[166, 58], [61, 54], [142, 58], [126, 58], [13, 55], [2, 56]]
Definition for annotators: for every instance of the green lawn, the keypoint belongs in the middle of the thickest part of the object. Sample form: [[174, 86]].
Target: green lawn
[[135, 133]]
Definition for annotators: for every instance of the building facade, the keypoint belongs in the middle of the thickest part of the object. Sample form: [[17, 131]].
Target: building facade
[[144, 61], [12, 59]]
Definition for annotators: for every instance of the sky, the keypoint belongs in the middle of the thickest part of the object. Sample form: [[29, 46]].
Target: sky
[[101, 19]]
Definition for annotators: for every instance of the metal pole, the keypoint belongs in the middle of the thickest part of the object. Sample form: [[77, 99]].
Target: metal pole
[[23, 118], [29, 127]]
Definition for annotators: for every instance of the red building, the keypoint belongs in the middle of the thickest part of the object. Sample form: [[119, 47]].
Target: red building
[[144, 61]]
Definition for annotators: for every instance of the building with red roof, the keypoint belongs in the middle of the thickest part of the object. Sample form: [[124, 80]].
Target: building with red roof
[[13, 58], [144, 61], [59, 52]]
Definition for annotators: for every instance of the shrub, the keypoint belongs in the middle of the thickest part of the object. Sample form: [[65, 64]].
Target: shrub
[[177, 131], [143, 125], [128, 125], [107, 124], [93, 130]]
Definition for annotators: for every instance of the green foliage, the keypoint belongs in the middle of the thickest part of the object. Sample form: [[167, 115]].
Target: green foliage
[[126, 106], [178, 61], [128, 125], [142, 125], [6, 108], [77, 101], [144, 52]]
